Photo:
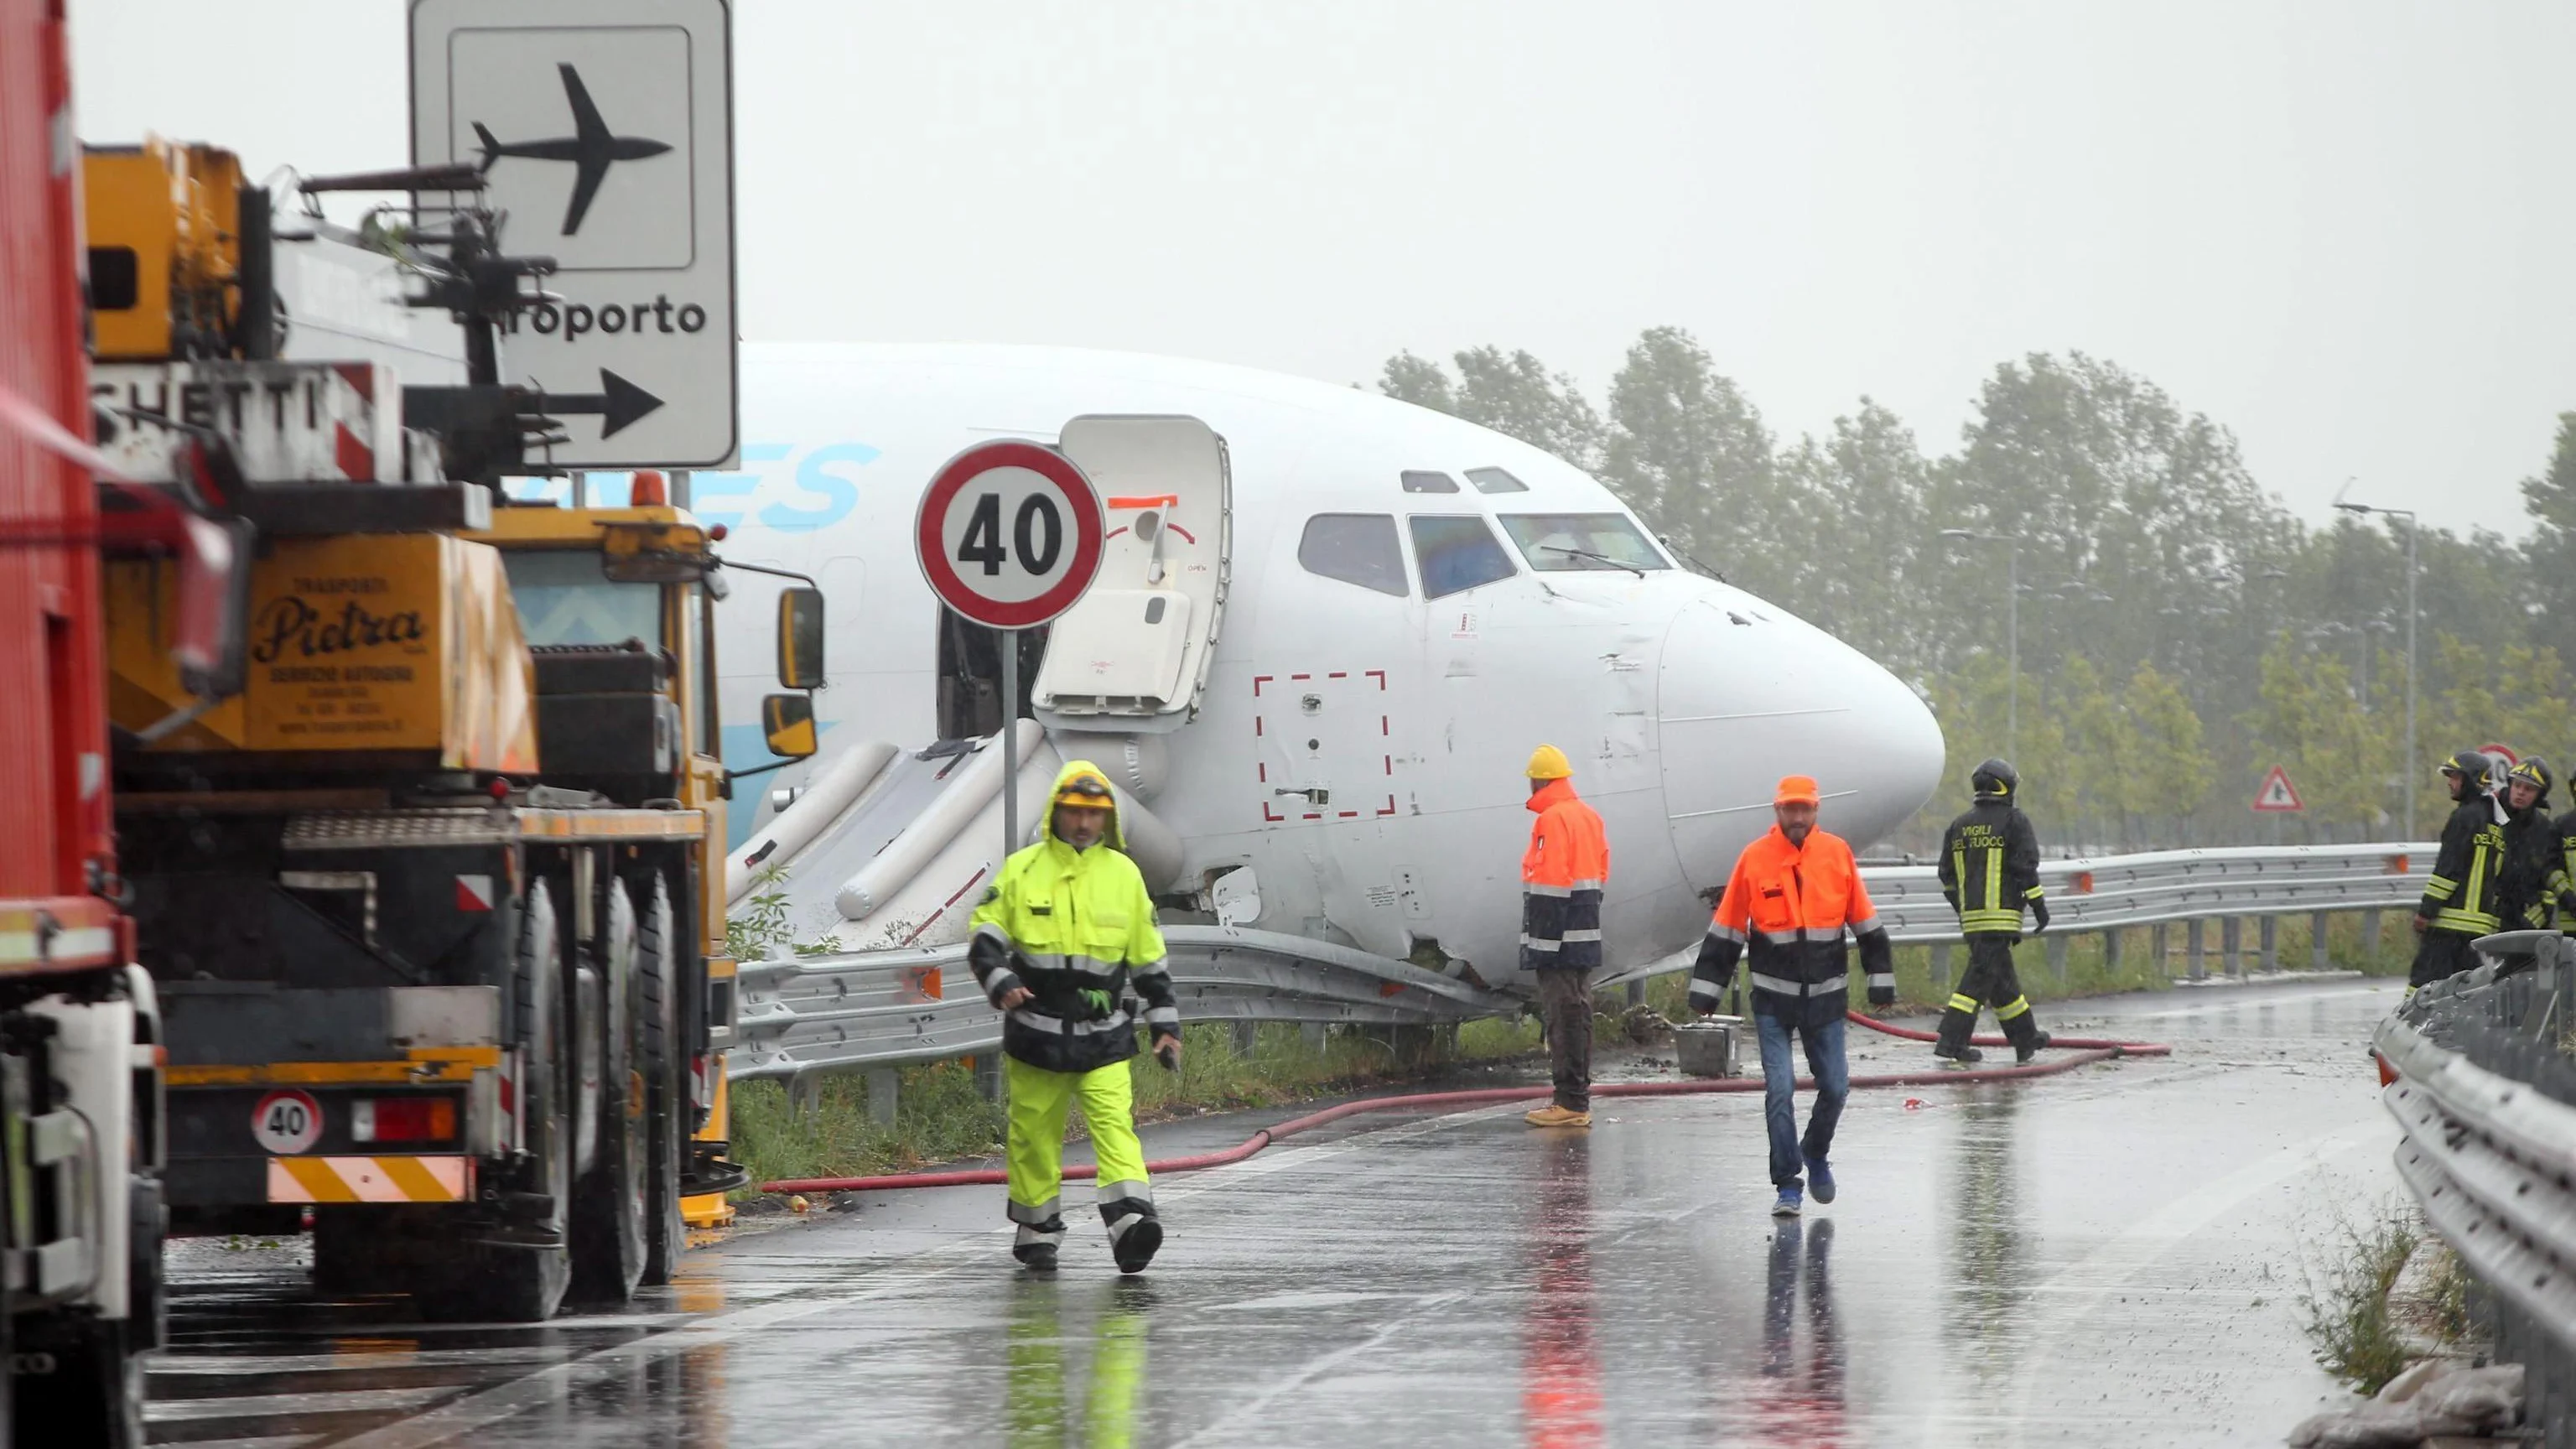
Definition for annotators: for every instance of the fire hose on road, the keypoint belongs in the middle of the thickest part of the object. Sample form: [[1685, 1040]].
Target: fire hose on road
[[2086, 1051]]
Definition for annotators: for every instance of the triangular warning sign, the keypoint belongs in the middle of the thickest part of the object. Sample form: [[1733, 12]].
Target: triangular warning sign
[[2276, 793]]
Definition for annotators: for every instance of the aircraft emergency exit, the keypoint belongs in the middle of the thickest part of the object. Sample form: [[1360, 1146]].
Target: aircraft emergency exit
[[1328, 629]]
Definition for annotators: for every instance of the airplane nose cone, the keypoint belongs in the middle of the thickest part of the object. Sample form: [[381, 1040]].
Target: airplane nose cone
[[1747, 694]]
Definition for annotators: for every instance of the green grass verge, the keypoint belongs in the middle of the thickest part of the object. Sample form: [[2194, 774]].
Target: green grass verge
[[940, 1115], [2345, 1310]]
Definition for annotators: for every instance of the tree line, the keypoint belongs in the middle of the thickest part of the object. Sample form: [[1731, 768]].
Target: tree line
[[2181, 632]]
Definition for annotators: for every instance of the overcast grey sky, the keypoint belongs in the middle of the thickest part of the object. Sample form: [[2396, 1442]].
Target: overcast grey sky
[[2341, 229]]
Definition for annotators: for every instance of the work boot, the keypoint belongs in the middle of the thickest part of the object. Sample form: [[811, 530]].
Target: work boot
[[1958, 1056], [1035, 1244], [1958, 1023], [2031, 1046], [1134, 1238], [1553, 1115], [1820, 1178], [1790, 1202]]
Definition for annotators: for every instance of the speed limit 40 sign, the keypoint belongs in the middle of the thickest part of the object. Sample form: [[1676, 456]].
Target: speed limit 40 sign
[[287, 1121], [1009, 534]]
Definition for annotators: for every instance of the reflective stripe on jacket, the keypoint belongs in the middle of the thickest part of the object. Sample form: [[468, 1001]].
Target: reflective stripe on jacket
[[1076, 927], [1990, 868], [2466, 890], [1791, 905], [1562, 876]]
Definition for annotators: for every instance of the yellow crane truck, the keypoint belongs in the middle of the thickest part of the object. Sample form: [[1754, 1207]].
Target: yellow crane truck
[[431, 886]]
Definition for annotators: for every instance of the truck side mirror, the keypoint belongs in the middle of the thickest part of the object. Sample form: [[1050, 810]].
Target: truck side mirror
[[800, 638], [788, 722]]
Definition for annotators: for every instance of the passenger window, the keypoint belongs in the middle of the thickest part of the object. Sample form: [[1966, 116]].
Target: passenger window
[[1416, 481], [1457, 554], [1495, 480], [1356, 548]]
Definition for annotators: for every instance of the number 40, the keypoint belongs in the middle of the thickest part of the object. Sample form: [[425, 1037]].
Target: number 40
[[1037, 529]]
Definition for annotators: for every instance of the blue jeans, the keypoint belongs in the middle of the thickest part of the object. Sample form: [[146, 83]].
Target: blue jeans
[[1779, 1078]]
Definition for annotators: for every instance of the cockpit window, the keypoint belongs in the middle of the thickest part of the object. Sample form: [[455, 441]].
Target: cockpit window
[[1418, 481], [1495, 480], [1457, 553], [1356, 548], [1560, 542]]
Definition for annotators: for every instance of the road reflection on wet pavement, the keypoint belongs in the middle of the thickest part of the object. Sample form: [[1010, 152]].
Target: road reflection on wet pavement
[[2112, 1257]]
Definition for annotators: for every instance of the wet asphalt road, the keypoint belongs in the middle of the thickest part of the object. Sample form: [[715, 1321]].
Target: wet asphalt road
[[2112, 1257]]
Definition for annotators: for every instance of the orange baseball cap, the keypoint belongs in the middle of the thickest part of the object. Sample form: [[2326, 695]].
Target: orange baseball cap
[[1797, 790]]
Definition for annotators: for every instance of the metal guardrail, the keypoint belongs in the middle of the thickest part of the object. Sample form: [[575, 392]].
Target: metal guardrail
[[2169, 886], [2486, 1096], [887, 1008], [875, 1009]]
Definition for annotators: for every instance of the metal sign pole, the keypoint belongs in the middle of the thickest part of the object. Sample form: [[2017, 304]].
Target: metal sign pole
[[1010, 741]]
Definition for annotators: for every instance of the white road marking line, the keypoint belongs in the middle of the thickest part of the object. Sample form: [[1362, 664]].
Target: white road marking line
[[185, 1365], [2091, 1279], [255, 1406], [491, 1406], [1315, 1367]]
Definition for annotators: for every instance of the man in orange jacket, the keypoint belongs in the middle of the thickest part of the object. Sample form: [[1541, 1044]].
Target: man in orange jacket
[[1562, 876], [1795, 892]]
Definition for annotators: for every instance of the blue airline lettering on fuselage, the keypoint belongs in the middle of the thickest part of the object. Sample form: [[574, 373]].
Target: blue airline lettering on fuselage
[[710, 493], [809, 497], [839, 494]]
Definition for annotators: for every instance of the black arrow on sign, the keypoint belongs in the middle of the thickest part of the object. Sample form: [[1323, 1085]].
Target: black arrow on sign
[[618, 401]]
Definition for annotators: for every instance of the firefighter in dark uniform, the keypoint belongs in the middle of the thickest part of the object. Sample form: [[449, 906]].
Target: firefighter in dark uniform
[[1990, 874], [2462, 898], [2562, 877], [2533, 877]]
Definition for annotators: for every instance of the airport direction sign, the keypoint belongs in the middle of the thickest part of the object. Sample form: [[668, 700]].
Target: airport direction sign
[[1009, 533], [2276, 795], [604, 129]]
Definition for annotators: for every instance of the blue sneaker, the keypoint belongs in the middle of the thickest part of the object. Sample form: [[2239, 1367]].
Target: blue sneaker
[[1820, 1179], [1791, 1200]]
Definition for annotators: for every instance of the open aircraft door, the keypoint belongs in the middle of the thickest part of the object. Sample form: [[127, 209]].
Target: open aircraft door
[[1133, 655]]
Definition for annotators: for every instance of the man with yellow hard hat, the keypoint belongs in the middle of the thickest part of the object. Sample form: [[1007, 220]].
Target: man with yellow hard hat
[[1063, 933], [1562, 877]]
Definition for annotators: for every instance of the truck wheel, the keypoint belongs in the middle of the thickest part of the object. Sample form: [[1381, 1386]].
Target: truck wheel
[[79, 1381], [609, 1208], [518, 1272], [146, 1304], [666, 1068]]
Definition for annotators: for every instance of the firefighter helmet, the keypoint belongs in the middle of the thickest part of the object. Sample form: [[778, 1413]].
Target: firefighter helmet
[[2479, 771], [2532, 771], [1995, 780]]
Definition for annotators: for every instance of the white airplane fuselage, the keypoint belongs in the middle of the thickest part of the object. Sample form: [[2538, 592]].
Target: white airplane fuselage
[[1406, 718]]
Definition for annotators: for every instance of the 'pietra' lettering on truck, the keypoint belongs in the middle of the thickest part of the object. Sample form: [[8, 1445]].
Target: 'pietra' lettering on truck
[[403, 642]]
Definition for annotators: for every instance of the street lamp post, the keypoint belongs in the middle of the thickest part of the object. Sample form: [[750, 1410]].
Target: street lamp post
[[2012, 628], [2409, 772]]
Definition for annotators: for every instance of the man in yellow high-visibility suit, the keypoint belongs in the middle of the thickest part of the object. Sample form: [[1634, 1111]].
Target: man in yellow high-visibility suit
[[1059, 939]]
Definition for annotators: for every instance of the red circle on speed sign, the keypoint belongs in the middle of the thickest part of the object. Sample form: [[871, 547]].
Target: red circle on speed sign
[[1009, 534], [287, 1122]]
